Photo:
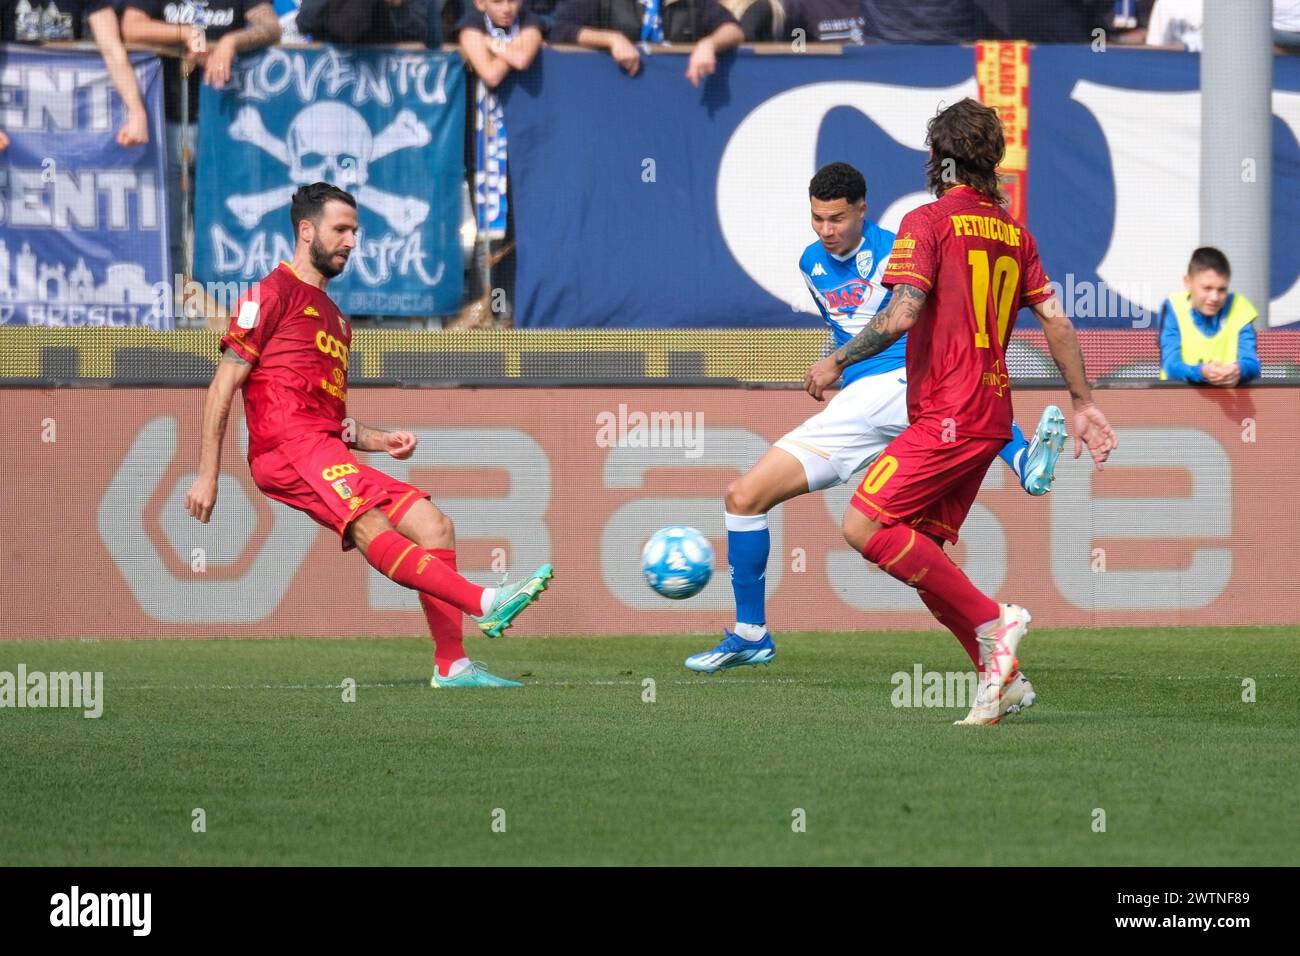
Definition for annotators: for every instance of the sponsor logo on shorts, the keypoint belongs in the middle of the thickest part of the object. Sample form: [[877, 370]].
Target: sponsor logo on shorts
[[334, 472], [356, 503]]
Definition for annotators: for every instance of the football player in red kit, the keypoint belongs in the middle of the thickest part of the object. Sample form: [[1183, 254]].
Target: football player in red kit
[[960, 269], [287, 348]]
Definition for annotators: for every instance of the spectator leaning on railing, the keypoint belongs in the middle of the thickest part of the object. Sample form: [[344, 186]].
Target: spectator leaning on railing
[[206, 33], [44, 21], [1206, 332], [498, 36], [618, 25], [365, 21]]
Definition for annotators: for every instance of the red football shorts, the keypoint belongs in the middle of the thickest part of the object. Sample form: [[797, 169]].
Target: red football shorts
[[924, 481], [318, 475]]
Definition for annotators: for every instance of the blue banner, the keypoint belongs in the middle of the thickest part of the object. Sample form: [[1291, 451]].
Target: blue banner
[[688, 207], [84, 237], [386, 125]]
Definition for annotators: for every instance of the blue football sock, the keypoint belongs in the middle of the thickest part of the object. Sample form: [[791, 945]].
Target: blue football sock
[[1013, 452], [748, 544]]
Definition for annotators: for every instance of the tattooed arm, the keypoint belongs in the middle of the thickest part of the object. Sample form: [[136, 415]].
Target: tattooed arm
[[262, 29], [885, 328]]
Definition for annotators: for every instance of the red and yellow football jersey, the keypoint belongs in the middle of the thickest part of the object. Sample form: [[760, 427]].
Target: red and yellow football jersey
[[978, 266], [297, 341]]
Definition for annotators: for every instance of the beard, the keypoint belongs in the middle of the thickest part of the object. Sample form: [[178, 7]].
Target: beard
[[323, 261]]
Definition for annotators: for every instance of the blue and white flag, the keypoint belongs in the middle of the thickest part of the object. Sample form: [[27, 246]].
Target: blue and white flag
[[83, 221]]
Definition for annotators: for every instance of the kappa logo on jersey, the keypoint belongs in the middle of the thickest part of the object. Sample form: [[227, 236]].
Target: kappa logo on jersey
[[848, 296], [332, 347], [311, 310], [818, 270], [866, 262]]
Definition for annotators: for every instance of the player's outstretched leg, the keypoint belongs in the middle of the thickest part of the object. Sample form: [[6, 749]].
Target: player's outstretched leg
[[423, 523], [510, 599], [402, 560], [909, 556], [778, 476], [1034, 462]]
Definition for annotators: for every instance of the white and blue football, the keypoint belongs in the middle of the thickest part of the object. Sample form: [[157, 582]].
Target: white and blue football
[[677, 562]]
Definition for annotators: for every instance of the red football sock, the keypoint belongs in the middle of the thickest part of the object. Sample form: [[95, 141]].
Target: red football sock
[[945, 614], [412, 566], [912, 558], [444, 621]]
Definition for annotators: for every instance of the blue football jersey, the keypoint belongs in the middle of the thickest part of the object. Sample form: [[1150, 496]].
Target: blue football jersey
[[848, 292]]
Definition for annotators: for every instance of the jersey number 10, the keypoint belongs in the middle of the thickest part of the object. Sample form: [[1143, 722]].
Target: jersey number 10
[[1006, 287]]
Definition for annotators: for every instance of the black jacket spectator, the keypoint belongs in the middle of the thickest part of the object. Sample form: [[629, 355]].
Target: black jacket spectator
[[684, 21], [827, 21], [366, 21]]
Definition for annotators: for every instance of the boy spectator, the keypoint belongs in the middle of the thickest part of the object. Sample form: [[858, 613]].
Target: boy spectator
[[1206, 332], [498, 36]]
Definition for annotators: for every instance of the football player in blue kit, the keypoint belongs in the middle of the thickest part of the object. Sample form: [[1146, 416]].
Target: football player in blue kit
[[842, 270]]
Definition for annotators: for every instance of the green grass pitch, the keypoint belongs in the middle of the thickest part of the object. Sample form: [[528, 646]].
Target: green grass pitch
[[1146, 725]]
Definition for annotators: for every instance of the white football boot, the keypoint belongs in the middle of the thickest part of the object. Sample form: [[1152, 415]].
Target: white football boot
[[998, 642]]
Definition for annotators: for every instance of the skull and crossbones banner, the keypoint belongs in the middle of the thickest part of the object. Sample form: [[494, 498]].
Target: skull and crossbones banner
[[386, 125]]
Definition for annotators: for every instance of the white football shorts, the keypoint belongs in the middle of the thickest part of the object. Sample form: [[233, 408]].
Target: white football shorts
[[851, 430]]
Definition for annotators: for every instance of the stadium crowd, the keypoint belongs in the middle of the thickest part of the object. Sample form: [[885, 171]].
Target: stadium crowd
[[201, 38]]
